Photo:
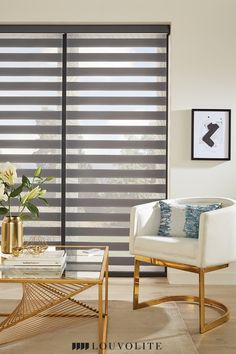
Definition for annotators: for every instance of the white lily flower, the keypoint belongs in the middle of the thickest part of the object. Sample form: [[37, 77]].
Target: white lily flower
[[2, 195], [8, 173], [31, 194], [42, 192]]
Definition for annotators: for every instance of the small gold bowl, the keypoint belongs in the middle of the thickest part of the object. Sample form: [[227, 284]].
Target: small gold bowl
[[16, 251], [36, 245], [36, 249]]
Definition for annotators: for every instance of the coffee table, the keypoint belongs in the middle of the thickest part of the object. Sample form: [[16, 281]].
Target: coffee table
[[46, 294]]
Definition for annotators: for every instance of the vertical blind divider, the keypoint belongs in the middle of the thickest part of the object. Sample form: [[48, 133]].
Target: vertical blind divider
[[63, 140]]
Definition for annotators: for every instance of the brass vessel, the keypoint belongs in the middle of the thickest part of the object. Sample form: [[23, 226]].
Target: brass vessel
[[12, 233]]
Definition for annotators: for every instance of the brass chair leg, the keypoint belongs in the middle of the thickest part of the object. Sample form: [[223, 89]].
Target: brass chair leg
[[199, 300], [136, 283], [203, 326]]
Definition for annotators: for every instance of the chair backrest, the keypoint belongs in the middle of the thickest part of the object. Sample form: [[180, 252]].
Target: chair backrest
[[226, 202]]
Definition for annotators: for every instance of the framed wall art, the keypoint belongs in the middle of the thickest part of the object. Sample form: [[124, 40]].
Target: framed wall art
[[211, 134]]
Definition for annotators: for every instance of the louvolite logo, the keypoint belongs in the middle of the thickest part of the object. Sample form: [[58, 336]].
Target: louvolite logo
[[80, 346], [129, 346]]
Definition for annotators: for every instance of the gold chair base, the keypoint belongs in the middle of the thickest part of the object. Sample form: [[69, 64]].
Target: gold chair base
[[200, 300]]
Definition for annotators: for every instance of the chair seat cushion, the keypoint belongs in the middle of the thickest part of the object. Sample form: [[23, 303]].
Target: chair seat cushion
[[175, 249]]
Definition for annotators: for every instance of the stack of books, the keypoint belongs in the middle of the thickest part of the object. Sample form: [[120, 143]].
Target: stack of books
[[49, 264]]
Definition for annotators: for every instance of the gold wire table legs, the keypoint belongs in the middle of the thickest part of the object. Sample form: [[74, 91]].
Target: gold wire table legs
[[41, 300], [200, 300], [103, 315]]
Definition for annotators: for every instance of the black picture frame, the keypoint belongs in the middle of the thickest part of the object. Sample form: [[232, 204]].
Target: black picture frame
[[211, 134]]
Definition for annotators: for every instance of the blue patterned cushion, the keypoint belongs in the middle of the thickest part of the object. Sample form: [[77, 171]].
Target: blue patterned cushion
[[181, 220], [172, 219], [192, 217]]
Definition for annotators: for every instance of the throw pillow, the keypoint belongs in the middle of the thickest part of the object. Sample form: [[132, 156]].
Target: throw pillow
[[192, 217], [181, 220], [172, 219]]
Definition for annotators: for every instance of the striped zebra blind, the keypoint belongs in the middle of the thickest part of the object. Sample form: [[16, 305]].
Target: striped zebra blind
[[30, 116], [116, 135], [89, 105]]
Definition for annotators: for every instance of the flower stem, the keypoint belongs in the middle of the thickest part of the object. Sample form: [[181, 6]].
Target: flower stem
[[9, 205], [22, 211]]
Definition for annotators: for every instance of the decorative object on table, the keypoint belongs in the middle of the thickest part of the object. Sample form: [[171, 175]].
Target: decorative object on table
[[92, 251], [36, 245], [50, 258], [211, 134], [12, 233], [16, 251], [49, 264], [25, 192]]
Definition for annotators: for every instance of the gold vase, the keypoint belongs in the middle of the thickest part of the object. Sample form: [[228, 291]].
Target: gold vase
[[12, 233]]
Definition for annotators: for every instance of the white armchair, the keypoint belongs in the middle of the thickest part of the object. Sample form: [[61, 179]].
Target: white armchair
[[214, 249]]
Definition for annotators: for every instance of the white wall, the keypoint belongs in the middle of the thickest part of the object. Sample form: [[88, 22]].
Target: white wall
[[203, 73]]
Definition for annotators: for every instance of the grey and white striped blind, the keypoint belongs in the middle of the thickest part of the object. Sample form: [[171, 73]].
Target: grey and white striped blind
[[116, 135], [116, 114], [30, 116]]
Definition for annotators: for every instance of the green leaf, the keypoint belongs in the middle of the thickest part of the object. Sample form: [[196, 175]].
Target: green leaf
[[26, 181], [44, 200], [16, 191], [25, 217], [3, 211], [49, 178], [33, 209], [37, 172]]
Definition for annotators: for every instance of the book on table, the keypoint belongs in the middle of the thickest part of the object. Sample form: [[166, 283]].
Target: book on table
[[50, 259], [33, 272]]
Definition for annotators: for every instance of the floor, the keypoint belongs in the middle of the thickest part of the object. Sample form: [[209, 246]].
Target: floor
[[217, 341]]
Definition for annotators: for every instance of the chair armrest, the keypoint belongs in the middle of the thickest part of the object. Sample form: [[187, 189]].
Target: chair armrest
[[144, 220], [217, 237]]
